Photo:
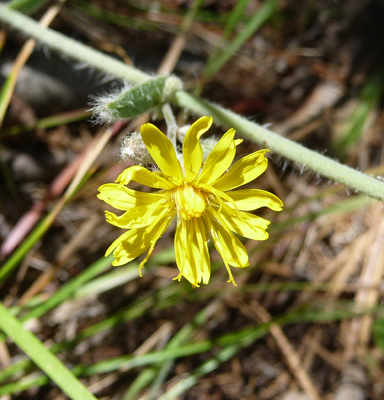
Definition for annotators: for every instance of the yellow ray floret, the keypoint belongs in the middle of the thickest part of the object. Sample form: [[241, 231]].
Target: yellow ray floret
[[198, 194]]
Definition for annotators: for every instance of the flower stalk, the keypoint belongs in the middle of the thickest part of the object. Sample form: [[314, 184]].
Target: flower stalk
[[171, 124], [266, 138]]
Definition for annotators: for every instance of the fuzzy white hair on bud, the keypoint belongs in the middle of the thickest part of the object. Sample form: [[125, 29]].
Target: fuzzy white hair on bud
[[101, 113], [133, 149], [132, 101]]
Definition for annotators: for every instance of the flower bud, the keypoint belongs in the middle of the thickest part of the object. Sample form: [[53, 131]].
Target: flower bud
[[132, 101], [133, 149]]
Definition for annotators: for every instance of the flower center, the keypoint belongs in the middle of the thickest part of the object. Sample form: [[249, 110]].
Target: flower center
[[190, 203]]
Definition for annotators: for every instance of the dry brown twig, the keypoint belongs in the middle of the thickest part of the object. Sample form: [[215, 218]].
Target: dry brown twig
[[257, 312]]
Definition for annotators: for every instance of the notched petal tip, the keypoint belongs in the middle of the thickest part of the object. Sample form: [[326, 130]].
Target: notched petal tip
[[150, 129], [206, 121], [124, 177], [279, 207], [192, 150]]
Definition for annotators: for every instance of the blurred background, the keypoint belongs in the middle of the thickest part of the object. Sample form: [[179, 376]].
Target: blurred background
[[306, 319]]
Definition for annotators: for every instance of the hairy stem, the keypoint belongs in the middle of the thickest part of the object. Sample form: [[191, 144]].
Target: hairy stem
[[171, 123], [70, 47], [250, 130]]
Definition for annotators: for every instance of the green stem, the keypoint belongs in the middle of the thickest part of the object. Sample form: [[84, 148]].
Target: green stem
[[293, 151], [250, 130], [79, 51], [171, 123]]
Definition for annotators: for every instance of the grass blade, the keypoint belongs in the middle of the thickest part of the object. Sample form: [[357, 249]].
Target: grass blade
[[256, 22], [32, 346]]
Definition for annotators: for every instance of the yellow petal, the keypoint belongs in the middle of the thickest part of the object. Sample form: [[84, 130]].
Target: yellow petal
[[243, 171], [136, 241], [142, 175], [252, 199], [138, 217], [244, 224], [192, 256], [183, 258], [219, 159], [201, 247], [192, 151], [123, 198], [158, 232], [125, 236], [231, 250], [162, 151]]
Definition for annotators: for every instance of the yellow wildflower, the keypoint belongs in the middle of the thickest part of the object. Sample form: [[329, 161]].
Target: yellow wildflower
[[198, 195]]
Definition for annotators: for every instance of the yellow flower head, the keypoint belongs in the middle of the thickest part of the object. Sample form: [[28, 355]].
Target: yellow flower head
[[201, 198]]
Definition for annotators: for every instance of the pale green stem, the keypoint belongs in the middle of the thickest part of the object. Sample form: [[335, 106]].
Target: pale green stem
[[171, 123], [293, 151], [92, 58], [264, 137]]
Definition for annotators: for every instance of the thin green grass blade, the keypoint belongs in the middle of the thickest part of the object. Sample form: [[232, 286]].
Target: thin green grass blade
[[209, 366], [113, 279], [235, 17], [27, 6], [180, 338], [43, 226], [5, 96], [141, 382], [116, 19], [229, 343], [49, 122], [21, 251], [13, 369], [164, 298], [369, 98], [265, 12], [33, 380], [42, 357], [237, 341], [345, 206], [378, 333], [67, 290]]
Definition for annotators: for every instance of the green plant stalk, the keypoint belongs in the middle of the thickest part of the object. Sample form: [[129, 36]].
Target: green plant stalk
[[171, 124], [293, 151], [51, 365], [80, 52], [250, 130]]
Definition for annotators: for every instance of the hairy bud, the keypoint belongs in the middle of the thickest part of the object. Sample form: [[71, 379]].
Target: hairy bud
[[133, 149]]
